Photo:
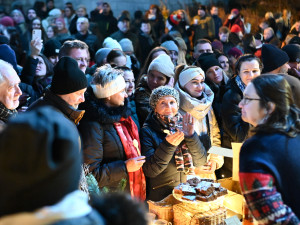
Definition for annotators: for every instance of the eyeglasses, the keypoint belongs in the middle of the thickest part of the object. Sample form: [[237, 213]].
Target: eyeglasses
[[246, 100]]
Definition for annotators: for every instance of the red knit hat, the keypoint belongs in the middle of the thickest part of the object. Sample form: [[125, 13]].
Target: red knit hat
[[235, 11], [235, 52], [235, 28], [174, 19], [7, 21]]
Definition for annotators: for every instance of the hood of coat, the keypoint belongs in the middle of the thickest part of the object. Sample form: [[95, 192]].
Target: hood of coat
[[198, 108], [96, 110]]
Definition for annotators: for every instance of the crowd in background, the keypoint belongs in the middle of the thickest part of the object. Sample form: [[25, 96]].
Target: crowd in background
[[147, 98]]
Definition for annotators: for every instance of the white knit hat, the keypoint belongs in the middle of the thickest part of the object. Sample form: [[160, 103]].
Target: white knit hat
[[162, 64], [170, 45], [111, 43], [55, 13], [109, 89], [189, 73], [126, 45]]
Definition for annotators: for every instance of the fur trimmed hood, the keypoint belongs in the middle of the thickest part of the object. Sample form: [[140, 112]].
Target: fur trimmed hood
[[96, 110]]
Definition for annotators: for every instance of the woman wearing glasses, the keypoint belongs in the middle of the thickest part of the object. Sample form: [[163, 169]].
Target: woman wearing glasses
[[269, 160], [235, 129]]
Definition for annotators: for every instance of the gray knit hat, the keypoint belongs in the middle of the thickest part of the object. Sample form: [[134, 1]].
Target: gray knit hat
[[126, 45], [163, 64], [170, 45], [163, 91]]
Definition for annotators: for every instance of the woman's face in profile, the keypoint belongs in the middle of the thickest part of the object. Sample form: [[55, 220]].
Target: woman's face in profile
[[117, 99], [252, 112]]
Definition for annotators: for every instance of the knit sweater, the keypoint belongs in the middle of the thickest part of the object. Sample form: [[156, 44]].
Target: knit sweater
[[269, 177]]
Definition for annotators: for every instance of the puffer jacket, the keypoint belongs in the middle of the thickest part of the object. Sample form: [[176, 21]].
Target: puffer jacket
[[160, 168], [102, 147]]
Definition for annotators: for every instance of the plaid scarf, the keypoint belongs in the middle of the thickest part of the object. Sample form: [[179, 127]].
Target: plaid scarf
[[240, 83], [183, 158], [6, 113]]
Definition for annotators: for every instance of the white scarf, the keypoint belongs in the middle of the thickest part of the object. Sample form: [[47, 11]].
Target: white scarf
[[197, 108]]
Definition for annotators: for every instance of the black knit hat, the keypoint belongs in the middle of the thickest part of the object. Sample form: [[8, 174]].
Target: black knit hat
[[293, 52], [40, 160], [7, 54], [272, 57], [207, 60], [67, 78], [51, 48]]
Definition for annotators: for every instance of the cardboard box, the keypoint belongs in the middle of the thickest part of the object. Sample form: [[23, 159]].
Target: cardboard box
[[233, 200]]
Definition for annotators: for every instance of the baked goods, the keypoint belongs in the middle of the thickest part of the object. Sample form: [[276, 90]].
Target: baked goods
[[189, 197], [204, 190]]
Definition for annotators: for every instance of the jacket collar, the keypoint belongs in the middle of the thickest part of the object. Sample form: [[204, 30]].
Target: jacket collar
[[64, 107]]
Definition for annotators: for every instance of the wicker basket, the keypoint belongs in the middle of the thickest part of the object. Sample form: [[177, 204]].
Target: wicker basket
[[201, 206], [164, 208], [184, 215]]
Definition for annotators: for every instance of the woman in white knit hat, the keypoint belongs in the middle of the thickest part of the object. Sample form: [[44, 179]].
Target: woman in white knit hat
[[111, 145], [196, 98], [160, 73]]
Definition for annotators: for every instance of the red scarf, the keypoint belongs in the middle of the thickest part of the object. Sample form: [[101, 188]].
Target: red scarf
[[127, 131]]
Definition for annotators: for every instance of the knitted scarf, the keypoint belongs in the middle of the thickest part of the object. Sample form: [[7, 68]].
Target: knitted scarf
[[240, 83], [183, 158], [128, 133], [5, 113]]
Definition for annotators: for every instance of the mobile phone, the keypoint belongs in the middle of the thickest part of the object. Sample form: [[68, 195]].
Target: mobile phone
[[36, 34]]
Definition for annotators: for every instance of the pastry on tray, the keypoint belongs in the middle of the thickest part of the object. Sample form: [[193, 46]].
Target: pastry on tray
[[196, 189]]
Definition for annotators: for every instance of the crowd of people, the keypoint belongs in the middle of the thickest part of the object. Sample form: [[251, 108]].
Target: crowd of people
[[139, 103]]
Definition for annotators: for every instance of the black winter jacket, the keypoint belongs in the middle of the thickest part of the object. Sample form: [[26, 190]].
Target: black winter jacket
[[102, 147], [235, 129], [141, 97], [219, 91], [160, 168], [51, 99]]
